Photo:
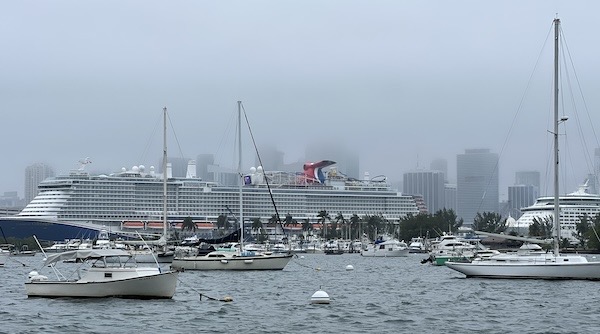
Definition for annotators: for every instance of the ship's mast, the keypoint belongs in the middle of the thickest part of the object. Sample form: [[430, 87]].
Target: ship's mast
[[165, 173], [241, 177], [556, 121]]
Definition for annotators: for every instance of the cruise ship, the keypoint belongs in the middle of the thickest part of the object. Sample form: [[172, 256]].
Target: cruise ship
[[572, 207], [79, 204]]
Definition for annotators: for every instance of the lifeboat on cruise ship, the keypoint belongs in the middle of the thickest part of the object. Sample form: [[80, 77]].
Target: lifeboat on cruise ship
[[155, 225], [199, 226], [133, 224]]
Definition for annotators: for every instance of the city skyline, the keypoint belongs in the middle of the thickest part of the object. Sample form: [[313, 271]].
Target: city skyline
[[400, 84], [180, 164]]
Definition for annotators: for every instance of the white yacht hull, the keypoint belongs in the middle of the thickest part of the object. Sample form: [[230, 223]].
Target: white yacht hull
[[232, 262], [529, 269], [146, 286]]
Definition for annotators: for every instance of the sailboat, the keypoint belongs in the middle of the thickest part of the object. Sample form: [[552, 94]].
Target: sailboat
[[537, 265], [239, 258], [160, 253]]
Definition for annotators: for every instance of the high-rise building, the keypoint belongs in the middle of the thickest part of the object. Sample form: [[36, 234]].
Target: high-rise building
[[203, 161], [441, 165], [521, 196], [271, 158], [477, 184], [429, 184], [10, 200], [34, 174], [531, 178], [450, 197], [592, 182], [524, 193]]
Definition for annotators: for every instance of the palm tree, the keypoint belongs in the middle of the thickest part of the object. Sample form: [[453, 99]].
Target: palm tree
[[323, 216], [222, 223], [188, 224], [343, 221], [354, 222], [256, 225], [275, 220], [289, 220], [306, 226]]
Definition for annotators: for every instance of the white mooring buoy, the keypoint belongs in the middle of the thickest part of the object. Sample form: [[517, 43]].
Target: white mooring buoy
[[349, 267], [320, 297]]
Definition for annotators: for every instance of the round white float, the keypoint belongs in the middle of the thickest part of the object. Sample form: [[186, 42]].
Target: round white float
[[320, 297]]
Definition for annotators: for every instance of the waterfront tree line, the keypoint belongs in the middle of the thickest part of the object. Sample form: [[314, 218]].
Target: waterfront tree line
[[337, 226], [420, 225]]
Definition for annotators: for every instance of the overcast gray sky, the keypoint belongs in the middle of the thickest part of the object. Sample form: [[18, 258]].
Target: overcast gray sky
[[401, 82]]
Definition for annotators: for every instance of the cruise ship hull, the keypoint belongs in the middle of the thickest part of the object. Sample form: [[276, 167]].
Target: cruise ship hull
[[43, 229]]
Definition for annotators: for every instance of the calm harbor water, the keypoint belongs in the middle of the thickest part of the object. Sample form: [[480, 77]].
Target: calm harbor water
[[381, 295]]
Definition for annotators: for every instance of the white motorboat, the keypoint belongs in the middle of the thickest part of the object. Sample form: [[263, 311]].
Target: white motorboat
[[540, 265], [107, 273], [387, 248], [449, 247], [417, 245], [15, 251], [238, 258]]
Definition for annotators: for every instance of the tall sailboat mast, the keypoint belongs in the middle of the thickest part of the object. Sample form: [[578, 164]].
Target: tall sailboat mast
[[165, 173], [556, 121], [241, 177]]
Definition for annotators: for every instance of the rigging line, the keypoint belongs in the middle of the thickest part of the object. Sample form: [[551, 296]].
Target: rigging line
[[152, 135], [566, 73], [266, 178], [596, 233], [227, 134], [549, 144], [568, 52], [566, 152], [519, 108], [175, 135], [572, 169]]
